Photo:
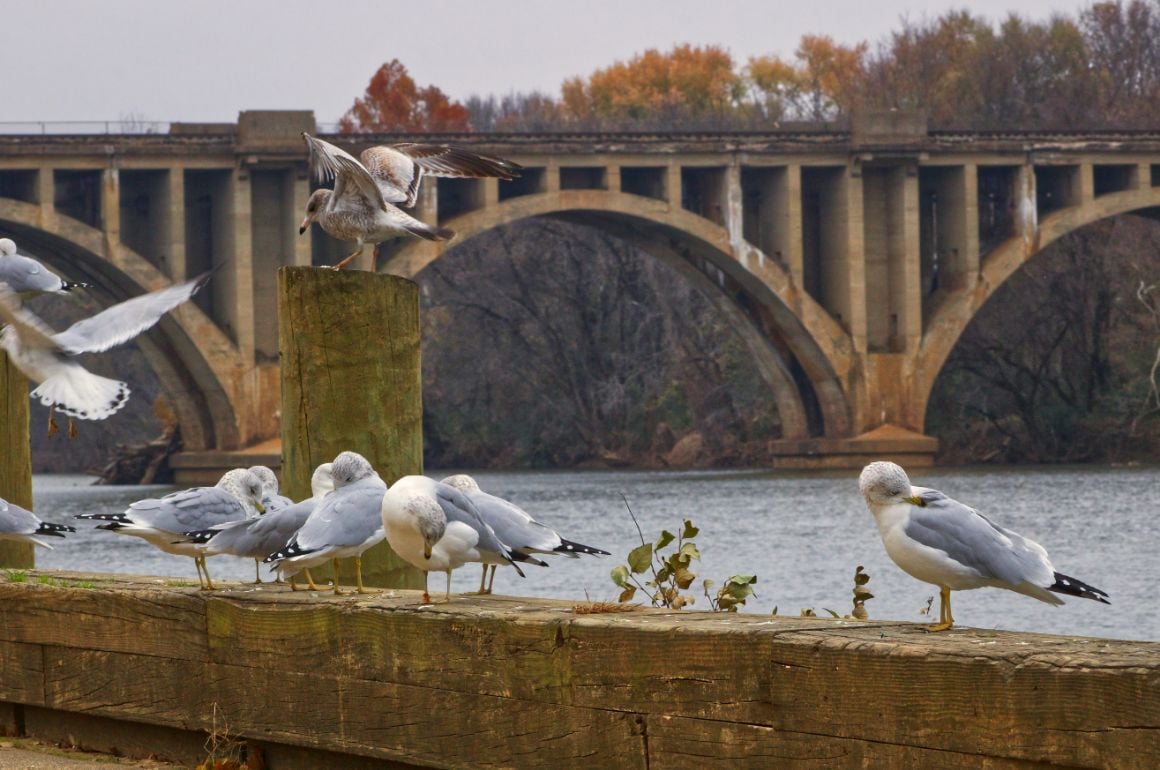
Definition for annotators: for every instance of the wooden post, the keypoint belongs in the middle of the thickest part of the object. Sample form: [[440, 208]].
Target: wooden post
[[349, 343], [15, 456]]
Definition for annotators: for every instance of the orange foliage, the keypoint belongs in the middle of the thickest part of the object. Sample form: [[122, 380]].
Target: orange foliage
[[393, 102]]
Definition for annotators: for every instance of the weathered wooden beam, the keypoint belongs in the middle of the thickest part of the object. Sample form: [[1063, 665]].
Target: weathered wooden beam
[[349, 342], [15, 455], [528, 683]]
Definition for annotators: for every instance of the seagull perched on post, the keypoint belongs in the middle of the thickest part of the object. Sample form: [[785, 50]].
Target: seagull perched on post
[[24, 526], [941, 541], [364, 204], [434, 526], [27, 276], [48, 357], [515, 527]]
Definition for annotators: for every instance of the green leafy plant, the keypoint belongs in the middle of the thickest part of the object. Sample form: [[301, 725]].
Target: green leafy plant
[[671, 572], [17, 576]]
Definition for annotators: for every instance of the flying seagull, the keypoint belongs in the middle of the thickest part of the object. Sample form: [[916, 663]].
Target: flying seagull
[[28, 277], [941, 541], [364, 204], [515, 527], [48, 357]]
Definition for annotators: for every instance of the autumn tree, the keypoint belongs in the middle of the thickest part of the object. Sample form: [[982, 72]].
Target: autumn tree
[[394, 102], [690, 83], [1125, 57]]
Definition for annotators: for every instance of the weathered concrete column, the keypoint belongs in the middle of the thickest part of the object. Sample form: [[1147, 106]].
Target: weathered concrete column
[[552, 176], [15, 455], [787, 208], [1143, 180], [734, 217], [175, 237], [673, 185], [612, 177], [910, 269], [855, 256], [1028, 208], [349, 343], [111, 207], [241, 268], [1087, 183], [490, 191], [303, 255], [969, 259], [46, 198]]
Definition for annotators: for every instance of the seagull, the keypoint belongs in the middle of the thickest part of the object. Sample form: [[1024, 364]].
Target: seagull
[[258, 538], [941, 541], [27, 277], [515, 527], [271, 499], [434, 526], [363, 207], [344, 524], [164, 521], [24, 526], [47, 357]]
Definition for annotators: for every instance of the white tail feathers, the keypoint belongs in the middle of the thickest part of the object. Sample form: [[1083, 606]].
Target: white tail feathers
[[79, 393]]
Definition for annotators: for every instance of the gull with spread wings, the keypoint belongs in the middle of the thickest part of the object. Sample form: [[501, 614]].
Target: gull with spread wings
[[368, 191], [48, 357]]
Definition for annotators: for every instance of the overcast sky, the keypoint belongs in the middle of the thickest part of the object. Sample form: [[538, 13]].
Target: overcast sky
[[205, 60]]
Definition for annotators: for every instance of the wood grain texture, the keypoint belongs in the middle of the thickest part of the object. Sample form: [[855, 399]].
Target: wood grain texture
[[506, 681], [349, 343], [15, 456]]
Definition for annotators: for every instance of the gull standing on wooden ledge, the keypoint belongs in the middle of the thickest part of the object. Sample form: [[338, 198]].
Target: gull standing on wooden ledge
[[164, 521], [28, 277], [24, 526], [434, 526], [362, 206], [941, 541], [47, 357], [515, 527]]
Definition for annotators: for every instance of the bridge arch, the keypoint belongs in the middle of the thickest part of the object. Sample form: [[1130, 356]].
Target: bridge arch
[[198, 366], [795, 344], [950, 319]]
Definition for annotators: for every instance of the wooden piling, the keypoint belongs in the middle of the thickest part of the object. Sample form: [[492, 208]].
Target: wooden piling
[[349, 343], [15, 456]]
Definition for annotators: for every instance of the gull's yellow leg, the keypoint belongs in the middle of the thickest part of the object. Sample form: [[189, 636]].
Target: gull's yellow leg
[[945, 620], [483, 580], [426, 596], [208, 582], [334, 566], [491, 581], [344, 262], [197, 566], [257, 571], [310, 581], [448, 597], [294, 582], [358, 575]]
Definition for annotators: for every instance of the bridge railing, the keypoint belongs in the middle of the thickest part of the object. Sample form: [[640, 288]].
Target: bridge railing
[[72, 127]]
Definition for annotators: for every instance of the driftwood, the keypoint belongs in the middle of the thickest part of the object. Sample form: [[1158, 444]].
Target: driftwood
[[146, 463]]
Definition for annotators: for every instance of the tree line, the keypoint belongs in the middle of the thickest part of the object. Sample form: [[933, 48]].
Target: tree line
[[1098, 68]]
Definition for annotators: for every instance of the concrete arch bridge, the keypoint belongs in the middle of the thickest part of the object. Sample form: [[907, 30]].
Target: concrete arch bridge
[[848, 259]]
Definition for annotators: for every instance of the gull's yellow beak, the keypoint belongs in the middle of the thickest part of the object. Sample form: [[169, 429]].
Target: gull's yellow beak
[[261, 508], [426, 550], [915, 500]]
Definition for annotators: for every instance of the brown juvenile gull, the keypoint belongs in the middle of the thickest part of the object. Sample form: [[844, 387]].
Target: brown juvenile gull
[[362, 206], [941, 541], [48, 357]]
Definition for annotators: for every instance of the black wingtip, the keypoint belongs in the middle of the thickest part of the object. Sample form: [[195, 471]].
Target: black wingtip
[[55, 530], [1065, 584], [199, 536], [568, 546]]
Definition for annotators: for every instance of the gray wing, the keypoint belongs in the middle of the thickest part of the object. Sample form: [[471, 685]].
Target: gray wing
[[260, 537], [347, 516], [32, 332], [513, 525], [180, 512], [351, 178], [24, 274], [125, 320], [276, 503], [457, 507], [971, 539], [16, 520]]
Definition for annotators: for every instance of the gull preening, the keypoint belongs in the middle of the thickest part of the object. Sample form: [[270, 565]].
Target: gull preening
[[943, 542], [435, 527], [48, 357], [364, 204], [28, 277], [164, 521], [271, 497], [344, 523], [258, 538], [515, 527], [24, 526]]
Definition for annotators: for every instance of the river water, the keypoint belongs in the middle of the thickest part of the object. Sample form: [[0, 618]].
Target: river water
[[802, 534]]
